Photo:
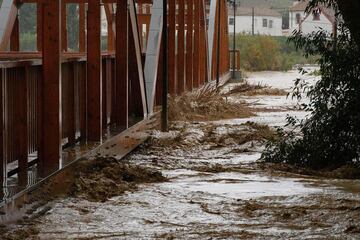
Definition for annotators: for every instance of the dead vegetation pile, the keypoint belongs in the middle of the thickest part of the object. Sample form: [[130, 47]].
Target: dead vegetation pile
[[206, 104], [262, 132], [101, 178], [247, 89], [241, 134]]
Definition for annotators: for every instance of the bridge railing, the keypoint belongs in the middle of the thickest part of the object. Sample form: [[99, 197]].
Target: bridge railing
[[20, 101]]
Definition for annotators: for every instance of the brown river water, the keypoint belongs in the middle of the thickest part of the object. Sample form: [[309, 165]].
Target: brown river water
[[217, 189]]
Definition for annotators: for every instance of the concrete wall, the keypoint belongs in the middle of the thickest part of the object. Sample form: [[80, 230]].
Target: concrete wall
[[244, 25]]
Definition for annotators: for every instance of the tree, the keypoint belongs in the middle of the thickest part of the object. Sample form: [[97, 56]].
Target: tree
[[349, 10], [330, 137]]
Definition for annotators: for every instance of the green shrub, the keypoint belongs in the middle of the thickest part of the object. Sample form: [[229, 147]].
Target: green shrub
[[330, 137], [267, 53]]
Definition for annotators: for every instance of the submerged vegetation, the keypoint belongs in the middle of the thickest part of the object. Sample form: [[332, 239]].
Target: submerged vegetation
[[330, 137], [210, 104], [247, 89], [266, 53]]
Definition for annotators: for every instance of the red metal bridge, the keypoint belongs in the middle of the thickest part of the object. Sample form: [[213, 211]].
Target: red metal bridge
[[54, 100]]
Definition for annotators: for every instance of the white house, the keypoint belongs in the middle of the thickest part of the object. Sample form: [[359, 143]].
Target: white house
[[321, 17], [265, 21]]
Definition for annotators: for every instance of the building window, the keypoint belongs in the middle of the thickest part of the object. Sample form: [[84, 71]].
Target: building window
[[298, 18], [271, 22], [265, 23], [316, 15], [231, 21]]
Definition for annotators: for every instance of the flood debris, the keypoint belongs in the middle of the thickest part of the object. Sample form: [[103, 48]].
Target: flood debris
[[247, 89], [187, 135], [205, 104], [101, 178], [211, 104]]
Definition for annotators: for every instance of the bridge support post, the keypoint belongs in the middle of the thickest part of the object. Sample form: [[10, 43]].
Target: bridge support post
[[202, 44], [171, 47], [196, 66], [50, 99], [189, 45], [181, 47], [94, 76], [122, 86], [39, 25], [21, 124], [64, 44]]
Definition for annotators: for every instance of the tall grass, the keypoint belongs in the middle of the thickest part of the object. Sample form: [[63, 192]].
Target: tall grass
[[267, 53]]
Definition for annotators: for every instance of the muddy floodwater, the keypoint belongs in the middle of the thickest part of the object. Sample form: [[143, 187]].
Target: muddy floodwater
[[216, 187]]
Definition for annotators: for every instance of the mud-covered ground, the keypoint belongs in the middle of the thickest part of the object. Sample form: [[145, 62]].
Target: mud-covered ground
[[211, 186]]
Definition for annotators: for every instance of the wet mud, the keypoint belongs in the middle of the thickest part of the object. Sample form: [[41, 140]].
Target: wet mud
[[101, 178], [207, 183]]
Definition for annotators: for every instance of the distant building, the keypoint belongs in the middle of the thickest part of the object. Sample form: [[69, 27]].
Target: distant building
[[266, 21], [321, 17]]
